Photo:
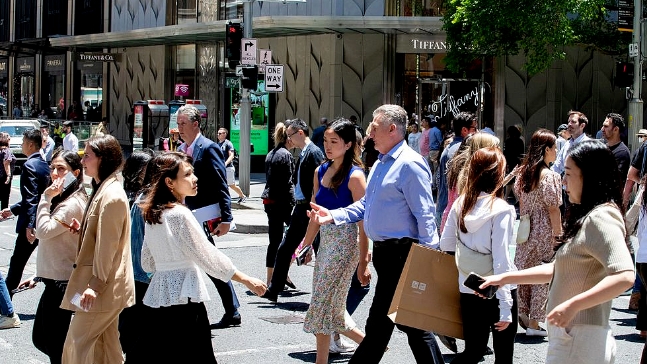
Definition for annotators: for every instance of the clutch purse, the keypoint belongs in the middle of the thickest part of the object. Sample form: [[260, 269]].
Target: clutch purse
[[523, 232]]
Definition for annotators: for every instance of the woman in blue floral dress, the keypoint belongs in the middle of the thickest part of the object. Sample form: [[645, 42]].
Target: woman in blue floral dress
[[338, 182]]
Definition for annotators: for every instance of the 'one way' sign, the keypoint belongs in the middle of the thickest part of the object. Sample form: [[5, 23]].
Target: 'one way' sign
[[274, 78]]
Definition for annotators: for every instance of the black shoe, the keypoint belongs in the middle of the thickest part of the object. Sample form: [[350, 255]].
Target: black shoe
[[270, 296], [227, 321], [290, 284]]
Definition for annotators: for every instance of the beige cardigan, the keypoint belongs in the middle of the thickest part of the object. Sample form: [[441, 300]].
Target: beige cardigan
[[57, 245]]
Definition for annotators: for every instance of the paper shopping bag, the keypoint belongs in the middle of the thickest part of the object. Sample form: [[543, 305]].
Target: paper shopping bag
[[427, 295]]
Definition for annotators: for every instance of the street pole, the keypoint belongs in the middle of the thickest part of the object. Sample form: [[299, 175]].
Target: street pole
[[245, 113], [635, 114]]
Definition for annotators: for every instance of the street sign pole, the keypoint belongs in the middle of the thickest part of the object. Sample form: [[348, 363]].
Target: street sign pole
[[245, 114], [635, 112]]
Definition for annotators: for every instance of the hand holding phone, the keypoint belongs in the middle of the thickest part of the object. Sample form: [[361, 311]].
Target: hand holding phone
[[474, 281], [302, 258]]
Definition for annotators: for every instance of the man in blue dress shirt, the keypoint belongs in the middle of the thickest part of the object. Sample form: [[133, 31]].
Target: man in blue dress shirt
[[398, 210]]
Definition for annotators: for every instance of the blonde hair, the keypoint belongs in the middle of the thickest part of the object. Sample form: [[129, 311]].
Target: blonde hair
[[459, 165], [280, 134]]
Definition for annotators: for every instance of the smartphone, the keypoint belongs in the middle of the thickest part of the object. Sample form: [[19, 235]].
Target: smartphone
[[301, 258], [69, 179], [62, 222], [20, 289], [210, 226], [474, 280]]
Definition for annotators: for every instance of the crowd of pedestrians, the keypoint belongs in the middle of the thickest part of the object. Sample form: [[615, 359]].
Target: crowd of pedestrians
[[130, 255]]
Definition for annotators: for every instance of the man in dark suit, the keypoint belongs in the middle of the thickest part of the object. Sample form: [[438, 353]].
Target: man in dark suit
[[209, 167], [33, 181], [309, 159]]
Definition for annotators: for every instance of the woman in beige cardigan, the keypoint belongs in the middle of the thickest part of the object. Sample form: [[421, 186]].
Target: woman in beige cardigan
[[102, 283], [60, 203]]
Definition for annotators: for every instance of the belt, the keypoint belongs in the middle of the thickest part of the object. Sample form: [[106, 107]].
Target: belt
[[391, 242], [303, 202]]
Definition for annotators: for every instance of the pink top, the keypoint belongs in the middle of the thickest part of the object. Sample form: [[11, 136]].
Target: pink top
[[452, 196], [424, 142]]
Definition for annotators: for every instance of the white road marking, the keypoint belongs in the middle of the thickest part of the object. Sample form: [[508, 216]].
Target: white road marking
[[249, 351], [10, 234], [4, 344]]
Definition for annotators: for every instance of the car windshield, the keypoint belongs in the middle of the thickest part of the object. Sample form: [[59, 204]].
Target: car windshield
[[15, 130]]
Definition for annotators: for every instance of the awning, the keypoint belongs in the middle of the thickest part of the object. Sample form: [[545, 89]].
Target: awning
[[263, 27]]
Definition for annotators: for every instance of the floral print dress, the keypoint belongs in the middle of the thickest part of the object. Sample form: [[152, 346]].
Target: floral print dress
[[539, 247]]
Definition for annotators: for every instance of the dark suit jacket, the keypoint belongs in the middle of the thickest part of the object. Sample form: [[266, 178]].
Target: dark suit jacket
[[34, 179], [209, 167], [307, 164]]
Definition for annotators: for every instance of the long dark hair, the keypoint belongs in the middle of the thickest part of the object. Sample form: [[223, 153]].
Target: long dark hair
[[73, 160], [345, 129], [160, 197], [533, 163], [600, 180], [133, 173], [486, 173]]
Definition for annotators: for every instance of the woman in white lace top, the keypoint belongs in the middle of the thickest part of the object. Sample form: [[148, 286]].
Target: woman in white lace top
[[176, 250]]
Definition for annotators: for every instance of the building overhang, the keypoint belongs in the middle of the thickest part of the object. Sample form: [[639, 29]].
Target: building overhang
[[263, 27]]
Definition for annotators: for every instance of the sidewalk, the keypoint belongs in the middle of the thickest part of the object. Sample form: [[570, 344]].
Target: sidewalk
[[250, 217]]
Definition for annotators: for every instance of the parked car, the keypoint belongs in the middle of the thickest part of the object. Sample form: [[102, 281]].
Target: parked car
[[15, 129]]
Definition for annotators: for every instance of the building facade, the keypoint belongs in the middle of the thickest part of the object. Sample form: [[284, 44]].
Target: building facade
[[340, 57]]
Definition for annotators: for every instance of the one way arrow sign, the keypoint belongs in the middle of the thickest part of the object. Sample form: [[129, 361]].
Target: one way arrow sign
[[248, 48], [274, 78]]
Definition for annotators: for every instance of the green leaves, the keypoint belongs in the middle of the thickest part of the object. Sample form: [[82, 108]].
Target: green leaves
[[540, 29]]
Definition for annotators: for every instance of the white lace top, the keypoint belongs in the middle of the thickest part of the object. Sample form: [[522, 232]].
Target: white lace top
[[175, 250]]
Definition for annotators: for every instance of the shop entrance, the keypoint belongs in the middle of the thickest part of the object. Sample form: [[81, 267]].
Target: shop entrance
[[444, 98]]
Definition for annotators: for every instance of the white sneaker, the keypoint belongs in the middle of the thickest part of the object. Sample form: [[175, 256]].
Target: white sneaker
[[536, 332], [7, 322], [340, 346]]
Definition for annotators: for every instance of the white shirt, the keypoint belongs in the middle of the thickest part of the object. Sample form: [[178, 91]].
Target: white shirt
[[176, 251], [71, 142]]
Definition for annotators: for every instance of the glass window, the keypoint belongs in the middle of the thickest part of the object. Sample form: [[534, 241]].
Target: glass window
[[186, 11], [4, 20], [185, 67], [25, 19], [54, 17], [420, 7]]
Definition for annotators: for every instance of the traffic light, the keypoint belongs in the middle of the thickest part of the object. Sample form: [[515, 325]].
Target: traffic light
[[250, 77], [624, 74], [233, 34]]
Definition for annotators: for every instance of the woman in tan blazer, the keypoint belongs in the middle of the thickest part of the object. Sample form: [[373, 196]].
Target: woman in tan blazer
[[101, 284]]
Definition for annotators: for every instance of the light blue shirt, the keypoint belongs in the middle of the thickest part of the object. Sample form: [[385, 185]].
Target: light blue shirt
[[558, 166], [435, 138], [398, 201], [47, 151]]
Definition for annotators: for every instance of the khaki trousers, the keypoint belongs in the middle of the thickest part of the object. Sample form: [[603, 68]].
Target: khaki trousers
[[93, 338]]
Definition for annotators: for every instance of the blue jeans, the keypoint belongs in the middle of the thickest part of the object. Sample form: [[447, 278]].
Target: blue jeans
[[6, 308]]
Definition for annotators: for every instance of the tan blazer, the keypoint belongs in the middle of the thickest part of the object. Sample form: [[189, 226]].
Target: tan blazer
[[103, 262]]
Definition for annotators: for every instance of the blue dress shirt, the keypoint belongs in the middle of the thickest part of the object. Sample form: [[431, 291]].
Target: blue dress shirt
[[398, 201], [559, 164]]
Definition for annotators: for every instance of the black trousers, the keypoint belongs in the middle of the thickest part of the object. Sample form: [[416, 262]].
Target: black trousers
[[389, 260], [5, 191], [294, 235], [21, 253], [133, 324], [225, 291], [51, 322], [278, 215], [641, 322], [479, 316]]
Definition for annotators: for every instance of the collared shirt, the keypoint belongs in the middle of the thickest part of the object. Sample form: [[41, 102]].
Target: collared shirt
[[435, 138], [182, 148], [398, 201], [46, 152], [558, 166], [71, 142], [298, 194]]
